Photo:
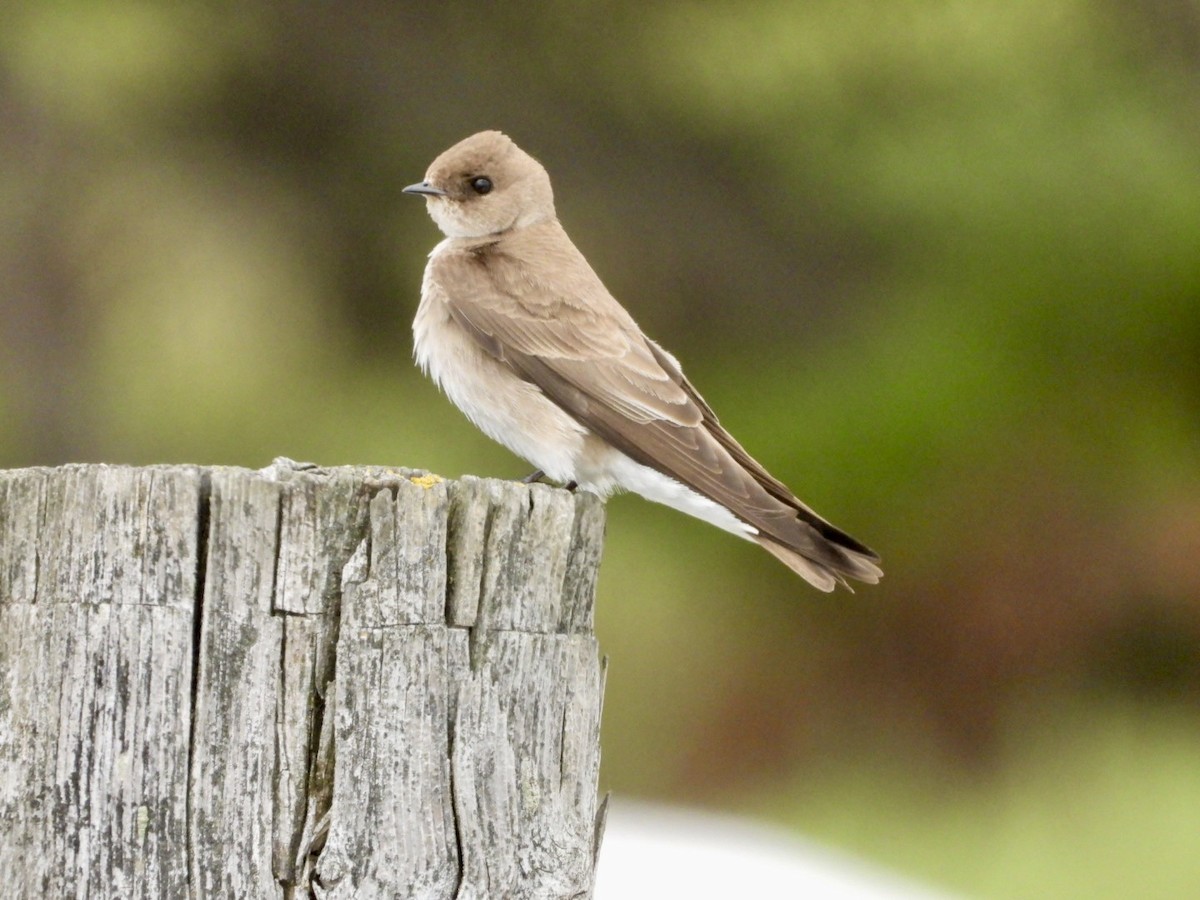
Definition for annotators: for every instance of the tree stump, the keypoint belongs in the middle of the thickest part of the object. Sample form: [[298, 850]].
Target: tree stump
[[296, 682]]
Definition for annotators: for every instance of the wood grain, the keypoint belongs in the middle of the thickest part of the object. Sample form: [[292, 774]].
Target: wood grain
[[296, 682]]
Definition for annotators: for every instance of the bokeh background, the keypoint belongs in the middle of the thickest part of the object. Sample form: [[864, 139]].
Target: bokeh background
[[936, 263]]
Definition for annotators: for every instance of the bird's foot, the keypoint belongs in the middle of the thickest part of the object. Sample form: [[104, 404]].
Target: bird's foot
[[535, 477]]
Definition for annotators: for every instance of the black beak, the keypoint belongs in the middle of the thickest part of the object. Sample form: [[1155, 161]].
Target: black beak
[[424, 187]]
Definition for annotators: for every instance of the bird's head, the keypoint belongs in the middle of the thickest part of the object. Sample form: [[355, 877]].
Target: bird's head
[[485, 185]]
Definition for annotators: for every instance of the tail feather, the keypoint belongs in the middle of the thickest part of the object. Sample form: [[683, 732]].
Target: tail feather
[[828, 573]]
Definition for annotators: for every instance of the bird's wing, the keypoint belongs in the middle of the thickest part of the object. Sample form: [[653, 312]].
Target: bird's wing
[[567, 335]]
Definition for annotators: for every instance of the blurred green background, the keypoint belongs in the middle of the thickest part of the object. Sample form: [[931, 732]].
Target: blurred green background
[[937, 264]]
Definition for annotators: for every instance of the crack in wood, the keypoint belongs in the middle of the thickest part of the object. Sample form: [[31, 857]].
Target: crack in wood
[[203, 518]]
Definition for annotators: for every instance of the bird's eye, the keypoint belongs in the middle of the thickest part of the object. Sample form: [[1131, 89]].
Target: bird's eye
[[481, 185]]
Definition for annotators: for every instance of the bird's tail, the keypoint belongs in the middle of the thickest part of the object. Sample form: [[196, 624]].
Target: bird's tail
[[838, 563]]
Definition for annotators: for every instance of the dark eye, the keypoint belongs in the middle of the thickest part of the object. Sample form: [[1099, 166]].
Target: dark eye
[[481, 185]]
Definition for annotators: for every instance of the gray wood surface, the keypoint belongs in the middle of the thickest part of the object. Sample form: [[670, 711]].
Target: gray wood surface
[[296, 682]]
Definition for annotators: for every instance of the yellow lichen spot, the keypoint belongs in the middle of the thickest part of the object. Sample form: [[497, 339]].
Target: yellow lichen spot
[[426, 481]]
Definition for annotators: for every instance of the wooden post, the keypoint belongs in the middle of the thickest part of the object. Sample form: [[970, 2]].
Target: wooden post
[[297, 682]]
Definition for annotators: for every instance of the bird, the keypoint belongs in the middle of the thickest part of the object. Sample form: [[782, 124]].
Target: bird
[[523, 337]]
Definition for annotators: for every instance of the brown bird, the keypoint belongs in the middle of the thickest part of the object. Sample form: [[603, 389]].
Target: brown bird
[[524, 338]]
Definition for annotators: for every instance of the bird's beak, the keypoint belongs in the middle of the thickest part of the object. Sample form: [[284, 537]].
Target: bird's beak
[[424, 187]]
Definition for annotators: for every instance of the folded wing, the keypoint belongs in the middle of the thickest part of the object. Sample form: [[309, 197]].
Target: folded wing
[[584, 351]]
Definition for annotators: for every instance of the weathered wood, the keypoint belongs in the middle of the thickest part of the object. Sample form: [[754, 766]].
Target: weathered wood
[[298, 682], [96, 619]]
